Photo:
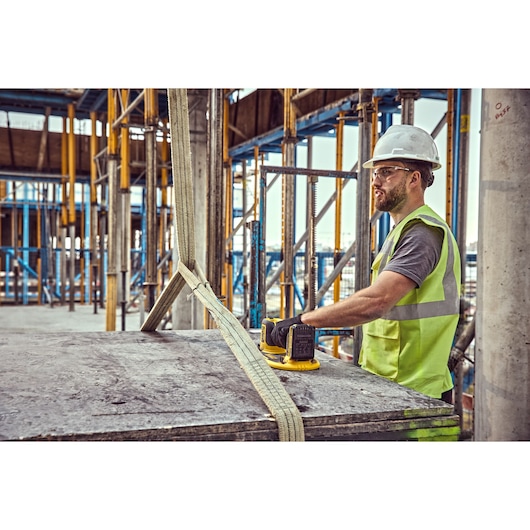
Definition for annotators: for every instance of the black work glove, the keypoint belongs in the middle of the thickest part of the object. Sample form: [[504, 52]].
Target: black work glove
[[281, 330]]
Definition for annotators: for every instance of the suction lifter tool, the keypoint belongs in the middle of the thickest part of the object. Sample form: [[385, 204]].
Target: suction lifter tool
[[299, 355]]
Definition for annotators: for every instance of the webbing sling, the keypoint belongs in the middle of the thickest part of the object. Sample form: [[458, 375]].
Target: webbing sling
[[261, 375]]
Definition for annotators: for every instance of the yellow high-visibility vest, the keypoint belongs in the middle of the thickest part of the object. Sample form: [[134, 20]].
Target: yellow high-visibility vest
[[412, 342]]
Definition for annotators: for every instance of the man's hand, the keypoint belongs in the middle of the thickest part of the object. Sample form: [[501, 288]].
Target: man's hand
[[281, 330]]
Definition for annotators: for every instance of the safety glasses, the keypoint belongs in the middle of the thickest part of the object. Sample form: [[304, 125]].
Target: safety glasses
[[385, 172]]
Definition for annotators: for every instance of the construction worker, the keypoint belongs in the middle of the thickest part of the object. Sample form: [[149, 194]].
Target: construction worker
[[410, 311]]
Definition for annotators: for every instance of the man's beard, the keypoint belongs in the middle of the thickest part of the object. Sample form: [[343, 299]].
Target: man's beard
[[392, 199]]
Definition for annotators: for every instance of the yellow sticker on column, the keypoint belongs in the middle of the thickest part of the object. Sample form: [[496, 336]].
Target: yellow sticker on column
[[464, 123]]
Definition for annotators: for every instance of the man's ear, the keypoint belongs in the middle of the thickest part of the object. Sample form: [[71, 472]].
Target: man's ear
[[415, 178]]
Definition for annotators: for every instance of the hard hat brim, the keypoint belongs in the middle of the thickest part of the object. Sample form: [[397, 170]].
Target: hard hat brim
[[369, 164]]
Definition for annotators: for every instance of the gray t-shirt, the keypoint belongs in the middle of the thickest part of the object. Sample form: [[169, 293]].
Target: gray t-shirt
[[417, 252]]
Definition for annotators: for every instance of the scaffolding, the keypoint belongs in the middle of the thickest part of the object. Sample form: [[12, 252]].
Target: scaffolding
[[99, 230]]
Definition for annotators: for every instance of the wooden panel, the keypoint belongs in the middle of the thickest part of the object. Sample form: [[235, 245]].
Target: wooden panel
[[187, 385], [262, 110], [26, 144]]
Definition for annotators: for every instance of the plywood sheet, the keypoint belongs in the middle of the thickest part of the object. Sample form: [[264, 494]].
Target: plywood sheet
[[188, 385]]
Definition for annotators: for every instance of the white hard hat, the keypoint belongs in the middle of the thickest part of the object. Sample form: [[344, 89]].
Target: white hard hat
[[405, 142]]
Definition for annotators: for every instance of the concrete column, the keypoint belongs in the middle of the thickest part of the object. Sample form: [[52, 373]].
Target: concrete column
[[502, 391], [187, 313], [215, 218]]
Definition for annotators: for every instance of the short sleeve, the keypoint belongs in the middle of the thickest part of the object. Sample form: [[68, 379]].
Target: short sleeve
[[417, 252]]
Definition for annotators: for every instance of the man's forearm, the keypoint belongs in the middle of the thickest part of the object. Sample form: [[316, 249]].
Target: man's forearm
[[352, 311], [364, 305]]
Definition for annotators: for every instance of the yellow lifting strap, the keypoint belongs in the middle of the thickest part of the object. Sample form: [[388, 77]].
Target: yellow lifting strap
[[261, 375]]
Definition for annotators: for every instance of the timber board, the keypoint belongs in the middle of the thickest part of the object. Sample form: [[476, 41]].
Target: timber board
[[188, 385]]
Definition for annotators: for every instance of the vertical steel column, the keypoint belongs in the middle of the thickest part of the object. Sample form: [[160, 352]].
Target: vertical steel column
[[256, 181], [456, 159], [112, 250], [338, 217], [463, 169], [458, 186], [25, 243], [82, 220], [164, 208], [40, 250], [125, 210], [215, 212], [14, 239], [103, 218], [362, 252], [502, 377], [151, 119], [86, 242], [288, 198], [71, 202], [450, 158], [2, 260], [229, 214], [311, 212], [245, 244], [86, 253], [257, 294], [384, 220], [262, 249], [93, 212], [64, 209], [407, 98], [40, 163], [255, 304]]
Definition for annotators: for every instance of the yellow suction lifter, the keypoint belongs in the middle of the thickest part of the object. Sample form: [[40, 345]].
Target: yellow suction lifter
[[299, 355]]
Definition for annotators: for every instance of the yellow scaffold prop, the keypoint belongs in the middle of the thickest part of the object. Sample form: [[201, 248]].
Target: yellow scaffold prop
[[188, 271]]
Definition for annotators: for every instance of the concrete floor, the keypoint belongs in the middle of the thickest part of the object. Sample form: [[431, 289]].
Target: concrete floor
[[28, 318]]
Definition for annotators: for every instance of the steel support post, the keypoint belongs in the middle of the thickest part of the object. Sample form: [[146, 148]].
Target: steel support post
[[407, 98], [215, 210], [311, 212], [229, 203], [112, 258], [93, 212], [151, 206], [257, 283], [458, 205], [164, 208], [25, 243], [71, 202], [125, 213], [64, 210], [245, 244], [460, 201], [363, 237], [288, 207], [112, 247], [338, 217], [261, 249]]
